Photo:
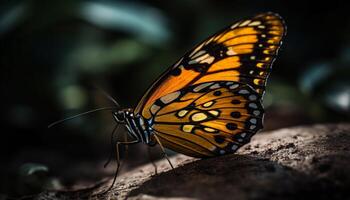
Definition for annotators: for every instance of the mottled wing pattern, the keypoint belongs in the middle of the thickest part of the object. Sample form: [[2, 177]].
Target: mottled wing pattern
[[208, 119], [243, 52]]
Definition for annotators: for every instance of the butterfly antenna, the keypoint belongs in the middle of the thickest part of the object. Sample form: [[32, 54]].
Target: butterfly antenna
[[108, 96], [81, 114]]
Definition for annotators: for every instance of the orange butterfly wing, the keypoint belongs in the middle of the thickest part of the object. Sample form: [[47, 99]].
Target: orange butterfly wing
[[208, 119], [243, 52]]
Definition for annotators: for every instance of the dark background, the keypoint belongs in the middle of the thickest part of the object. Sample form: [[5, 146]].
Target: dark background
[[54, 53]]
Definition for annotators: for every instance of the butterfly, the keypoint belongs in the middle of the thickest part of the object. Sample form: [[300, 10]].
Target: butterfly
[[209, 103]]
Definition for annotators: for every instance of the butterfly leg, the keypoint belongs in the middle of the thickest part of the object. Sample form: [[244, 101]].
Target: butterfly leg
[[118, 159], [152, 161], [126, 147], [112, 144], [163, 150]]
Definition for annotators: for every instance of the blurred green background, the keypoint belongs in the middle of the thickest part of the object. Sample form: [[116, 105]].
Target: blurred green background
[[54, 53]]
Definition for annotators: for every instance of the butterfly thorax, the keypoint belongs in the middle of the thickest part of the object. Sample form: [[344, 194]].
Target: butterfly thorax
[[138, 128]]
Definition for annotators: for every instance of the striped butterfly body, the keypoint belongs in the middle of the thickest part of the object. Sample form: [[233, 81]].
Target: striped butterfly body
[[209, 102]]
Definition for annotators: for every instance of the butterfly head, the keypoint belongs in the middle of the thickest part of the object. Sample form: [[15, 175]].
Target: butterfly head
[[135, 124], [121, 115]]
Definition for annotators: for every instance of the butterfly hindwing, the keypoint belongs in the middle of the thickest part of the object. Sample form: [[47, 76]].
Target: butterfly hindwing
[[243, 52], [208, 119]]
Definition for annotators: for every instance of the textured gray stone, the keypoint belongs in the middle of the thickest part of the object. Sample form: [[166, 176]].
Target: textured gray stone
[[310, 162]]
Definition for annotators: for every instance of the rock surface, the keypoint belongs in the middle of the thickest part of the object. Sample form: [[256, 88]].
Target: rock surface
[[311, 162]]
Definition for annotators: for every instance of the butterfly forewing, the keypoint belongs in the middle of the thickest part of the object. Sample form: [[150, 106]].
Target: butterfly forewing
[[208, 119], [209, 102], [243, 52]]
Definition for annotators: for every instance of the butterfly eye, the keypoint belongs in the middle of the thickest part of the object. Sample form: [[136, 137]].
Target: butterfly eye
[[119, 116]]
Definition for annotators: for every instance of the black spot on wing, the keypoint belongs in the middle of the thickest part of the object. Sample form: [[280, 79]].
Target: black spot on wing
[[175, 71]]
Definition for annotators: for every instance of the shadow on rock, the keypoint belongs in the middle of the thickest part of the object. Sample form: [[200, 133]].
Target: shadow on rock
[[233, 177]]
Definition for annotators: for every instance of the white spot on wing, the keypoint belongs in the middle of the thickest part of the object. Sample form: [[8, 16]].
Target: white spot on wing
[[214, 112], [199, 59], [187, 128], [253, 121], [245, 23], [252, 127], [211, 39], [234, 86], [170, 97], [196, 49], [208, 60], [201, 86], [208, 104], [199, 53], [255, 23], [243, 91], [210, 130], [182, 113], [256, 112], [192, 62], [253, 105], [212, 148], [215, 86], [252, 97], [199, 117], [234, 147], [202, 57], [154, 108], [230, 52], [234, 25]]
